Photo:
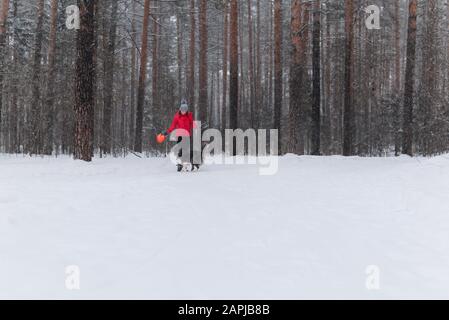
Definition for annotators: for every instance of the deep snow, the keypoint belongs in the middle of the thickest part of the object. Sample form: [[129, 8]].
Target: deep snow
[[138, 229]]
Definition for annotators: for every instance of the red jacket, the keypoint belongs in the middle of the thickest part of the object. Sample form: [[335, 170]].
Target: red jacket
[[181, 121]]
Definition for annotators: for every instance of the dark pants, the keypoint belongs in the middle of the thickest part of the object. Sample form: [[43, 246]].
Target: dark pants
[[187, 158]]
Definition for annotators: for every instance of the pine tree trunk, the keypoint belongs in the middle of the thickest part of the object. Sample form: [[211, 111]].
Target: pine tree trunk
[[142, 78], [296, 85], [447, 71], [407, 147], [316, 91], [203, 64], [84, 82], [258, 86], [234, 67], [13, 117], [3, 22], [251, 64], [155, 64], [108, 90], [122, 109], [305, 78], [132, 117], [49, 105], [179, 34], [35, 138], [327, 107], [397, 75], [191, 68], [268, 108], [224, 113], [99, 59], [348, 116], [242, 103], [278, 74]]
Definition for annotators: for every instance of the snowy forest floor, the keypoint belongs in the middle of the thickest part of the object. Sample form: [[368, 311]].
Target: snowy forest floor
[[138, 229]]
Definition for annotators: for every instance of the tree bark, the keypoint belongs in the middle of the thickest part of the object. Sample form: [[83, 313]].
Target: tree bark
[[108, 90], [191, 68], [397, 75], [348, 117], [278, 70], [84, 82], [251, 65], [316, 91], [234, 67], [155, 82], [132, 117], [49, 105], [327, 107], [179, 34], [224, 113], [142, 78], [203, 63], [296, 85], [35, 138], [14, 146], [3, 23], [258, 86], [407, 147]]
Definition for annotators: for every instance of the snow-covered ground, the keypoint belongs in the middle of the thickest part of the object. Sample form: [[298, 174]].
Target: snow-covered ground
[[135, 228]]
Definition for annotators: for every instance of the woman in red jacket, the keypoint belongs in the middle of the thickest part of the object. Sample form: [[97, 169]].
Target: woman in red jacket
[[183, 126], [182, 122]]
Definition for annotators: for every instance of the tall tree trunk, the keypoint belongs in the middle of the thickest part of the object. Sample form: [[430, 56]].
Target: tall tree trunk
[[179, 34], [216, 101], [429, 79], [100, 33], [234, 67], [397, 45], [447, 71], [3, 22], [191, 68], [108, 90], [155, 63], [14, 146], [269, 102], [258, 86], [84, 82], [242, 101], [224, 113], [49, 107], [278, 70], [142, 78], [122, 109], [316, 91], [36, 139], [296, 85], [251, 64], [397, 75], [132, 117], [348, 117], [407, 147], [327, 107], [305, 78], [203, 69]]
